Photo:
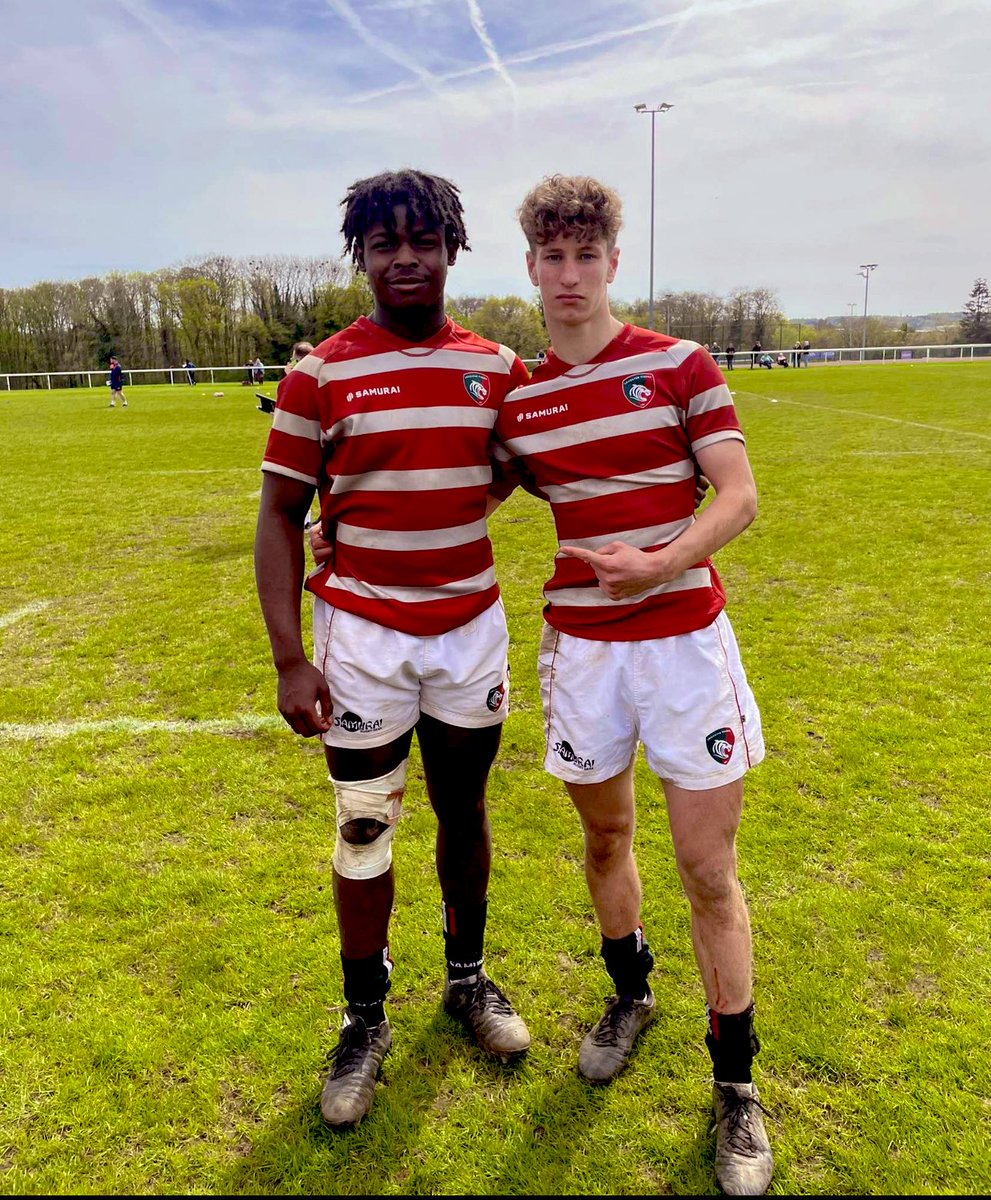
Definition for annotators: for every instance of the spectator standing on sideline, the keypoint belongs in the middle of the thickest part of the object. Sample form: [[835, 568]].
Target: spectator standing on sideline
[[117, 382], [258, 371], [804, 356], [755, 354], [299, 352], [715, 352], [730, 355], [189, 367], [796, 354]]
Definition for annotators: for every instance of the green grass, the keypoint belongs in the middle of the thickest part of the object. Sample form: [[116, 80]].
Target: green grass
[[169, 979]]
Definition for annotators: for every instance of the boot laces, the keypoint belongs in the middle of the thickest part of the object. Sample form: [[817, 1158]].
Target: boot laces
[[609, 1030], [488, 996], [737, 1110], [349, 1052]]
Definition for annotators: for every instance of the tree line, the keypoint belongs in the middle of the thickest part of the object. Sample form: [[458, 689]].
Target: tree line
[[222, 310]]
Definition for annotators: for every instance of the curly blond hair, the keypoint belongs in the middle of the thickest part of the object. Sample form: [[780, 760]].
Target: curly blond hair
[[571, 206]]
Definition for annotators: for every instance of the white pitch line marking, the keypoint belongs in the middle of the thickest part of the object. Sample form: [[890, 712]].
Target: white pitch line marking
[[853, 412], [49, 730], [36, 606]]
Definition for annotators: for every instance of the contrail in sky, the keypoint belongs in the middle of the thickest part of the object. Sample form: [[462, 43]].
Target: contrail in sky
[[481, 30]]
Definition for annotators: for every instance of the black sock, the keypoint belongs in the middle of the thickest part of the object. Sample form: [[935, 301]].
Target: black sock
[[628, 961], [366, 985], [464, 938], [732, 1044]]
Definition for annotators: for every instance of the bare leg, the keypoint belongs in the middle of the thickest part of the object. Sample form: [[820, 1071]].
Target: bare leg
[[609, 820], [703, 828]]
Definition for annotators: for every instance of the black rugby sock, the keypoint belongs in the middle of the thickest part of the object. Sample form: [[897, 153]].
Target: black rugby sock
[[464, 939], [732, 1045], [628, 961]]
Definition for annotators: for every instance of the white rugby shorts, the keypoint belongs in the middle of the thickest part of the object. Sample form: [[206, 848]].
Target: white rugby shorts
[[381, 680], [686, 698]]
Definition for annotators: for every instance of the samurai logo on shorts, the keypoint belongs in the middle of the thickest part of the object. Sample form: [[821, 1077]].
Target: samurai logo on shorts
[[720, 745], [639, 389], [564, 750], [352, 723], [493, 702], [477, 386]]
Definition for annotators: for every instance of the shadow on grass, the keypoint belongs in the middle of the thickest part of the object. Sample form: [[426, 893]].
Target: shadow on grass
[[298, 1154], [560, 1154]]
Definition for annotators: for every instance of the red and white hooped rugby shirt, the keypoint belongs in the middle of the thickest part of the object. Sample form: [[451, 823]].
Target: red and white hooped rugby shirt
[[610, 444], [396, 436]]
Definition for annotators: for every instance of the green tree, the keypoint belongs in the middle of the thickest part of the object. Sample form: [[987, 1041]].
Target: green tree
[[514, 322], [976, 323], [340, 304]]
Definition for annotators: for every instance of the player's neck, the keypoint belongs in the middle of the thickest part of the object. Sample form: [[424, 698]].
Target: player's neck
[[410, 324], [577, 344]]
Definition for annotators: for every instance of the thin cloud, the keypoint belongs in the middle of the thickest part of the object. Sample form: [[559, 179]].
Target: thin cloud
[[150, 21], [714, 9], [381, 46], [481, 31]]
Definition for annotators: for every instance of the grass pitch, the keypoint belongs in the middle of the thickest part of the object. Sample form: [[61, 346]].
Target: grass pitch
[[169, 982]]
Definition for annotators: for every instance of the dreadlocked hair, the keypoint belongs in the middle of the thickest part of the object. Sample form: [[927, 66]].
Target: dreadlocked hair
[[428, 198]]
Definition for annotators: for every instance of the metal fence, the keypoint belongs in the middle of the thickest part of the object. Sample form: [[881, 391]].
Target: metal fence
[[202, 376]]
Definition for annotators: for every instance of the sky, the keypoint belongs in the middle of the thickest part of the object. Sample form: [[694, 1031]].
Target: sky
[[806, 138]]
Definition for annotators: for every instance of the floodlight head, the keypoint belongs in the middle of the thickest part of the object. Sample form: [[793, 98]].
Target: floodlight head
[[640, 108], [664, 107]]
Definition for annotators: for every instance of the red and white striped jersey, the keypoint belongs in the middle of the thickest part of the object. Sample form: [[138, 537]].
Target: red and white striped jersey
[[610, 444], [396, 435]]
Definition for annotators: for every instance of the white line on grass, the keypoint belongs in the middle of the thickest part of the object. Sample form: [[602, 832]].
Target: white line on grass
[[852, 412], [200, 471], [36, 606], [50, 730]]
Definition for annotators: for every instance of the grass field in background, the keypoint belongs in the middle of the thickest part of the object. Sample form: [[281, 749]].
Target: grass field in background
[[170, 982]]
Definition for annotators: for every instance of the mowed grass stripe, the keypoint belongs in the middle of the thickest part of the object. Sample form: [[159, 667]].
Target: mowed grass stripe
[[849, 412], [170, 986]]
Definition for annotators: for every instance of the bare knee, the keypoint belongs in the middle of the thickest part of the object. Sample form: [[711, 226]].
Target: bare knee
[[606, 844], [711, 885], [362, 831]]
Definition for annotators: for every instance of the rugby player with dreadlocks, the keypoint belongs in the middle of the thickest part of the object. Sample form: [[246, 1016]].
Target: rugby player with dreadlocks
[[391, 419]]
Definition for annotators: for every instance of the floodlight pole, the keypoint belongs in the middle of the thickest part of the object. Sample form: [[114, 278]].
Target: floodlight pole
[[658, 108], [852, 305], [865, 270]]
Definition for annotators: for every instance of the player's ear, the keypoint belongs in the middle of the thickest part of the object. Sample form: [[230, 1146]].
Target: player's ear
[[531, 267], [613, 264], [452, 255], [359, 259]]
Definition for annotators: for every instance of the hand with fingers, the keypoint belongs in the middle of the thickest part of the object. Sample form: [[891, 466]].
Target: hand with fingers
[[304, 699], [623, 570], [320, 548]]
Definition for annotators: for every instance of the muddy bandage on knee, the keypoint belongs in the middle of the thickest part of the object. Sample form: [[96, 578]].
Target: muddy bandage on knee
[[368, 800]]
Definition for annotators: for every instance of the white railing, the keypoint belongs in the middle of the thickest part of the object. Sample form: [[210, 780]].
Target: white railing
[[959, 352], [176, 375]]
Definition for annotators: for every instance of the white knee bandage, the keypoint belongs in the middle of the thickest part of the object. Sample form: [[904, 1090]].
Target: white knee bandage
[[368, 800]]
